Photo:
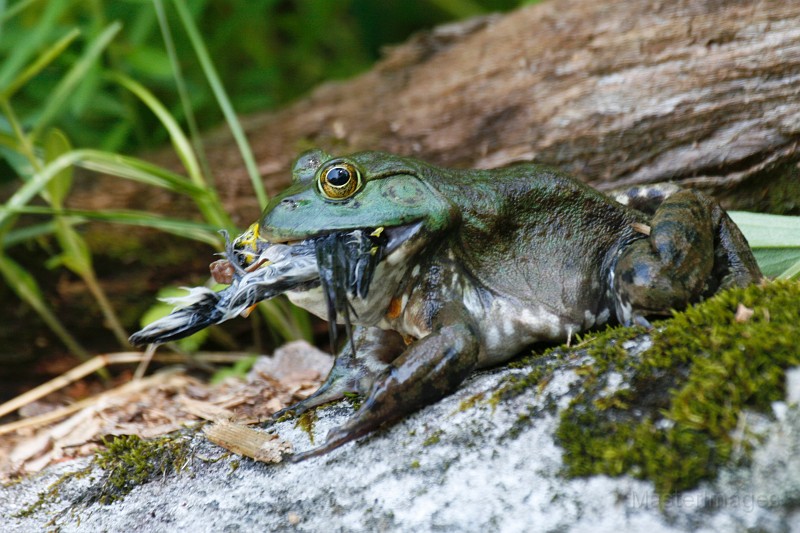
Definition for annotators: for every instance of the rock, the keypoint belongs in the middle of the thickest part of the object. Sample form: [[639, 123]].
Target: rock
[[451, 466], [489, 457]]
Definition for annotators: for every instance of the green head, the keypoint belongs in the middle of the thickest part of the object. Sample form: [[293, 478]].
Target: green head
[[360, 191]]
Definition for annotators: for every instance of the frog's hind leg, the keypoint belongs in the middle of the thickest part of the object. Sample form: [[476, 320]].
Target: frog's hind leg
[[734, 263], [353, 373], [693, 250], [428, 370]]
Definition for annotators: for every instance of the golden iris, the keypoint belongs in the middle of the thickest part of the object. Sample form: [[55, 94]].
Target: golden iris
[[339, 181]]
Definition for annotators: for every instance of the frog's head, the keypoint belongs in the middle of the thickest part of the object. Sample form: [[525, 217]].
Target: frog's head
[[367, 190]]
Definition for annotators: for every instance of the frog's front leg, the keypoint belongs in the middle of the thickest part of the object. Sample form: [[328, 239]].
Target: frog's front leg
[[428, 370], [353, 372], [693, 250]]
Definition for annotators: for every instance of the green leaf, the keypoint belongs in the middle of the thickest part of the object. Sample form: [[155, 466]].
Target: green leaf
[[768, 231], [20, 281], [150, 61], [238, 370], [775, 240], [75, 255], [57, 144]]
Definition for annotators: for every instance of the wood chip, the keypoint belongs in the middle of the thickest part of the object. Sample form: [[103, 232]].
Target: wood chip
[[242, 440], [644, 229]]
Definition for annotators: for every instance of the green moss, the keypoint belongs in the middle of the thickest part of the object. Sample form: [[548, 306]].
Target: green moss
[[433, 438], [306, 423], [673, 421], [414, 464], [52, 492], [471, 401], [539, 376], [355, 399], [129, 461], [284, 417]]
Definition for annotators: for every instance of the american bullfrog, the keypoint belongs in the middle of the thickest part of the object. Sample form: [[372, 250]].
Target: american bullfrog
[[473, 266]]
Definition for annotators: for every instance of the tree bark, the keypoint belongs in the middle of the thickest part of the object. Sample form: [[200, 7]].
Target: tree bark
[[621, 92]]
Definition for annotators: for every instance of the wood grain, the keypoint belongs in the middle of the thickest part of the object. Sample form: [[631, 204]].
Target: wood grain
[[619, 92]]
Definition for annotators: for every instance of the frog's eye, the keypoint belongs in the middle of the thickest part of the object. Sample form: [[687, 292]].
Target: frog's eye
[[339, 181]]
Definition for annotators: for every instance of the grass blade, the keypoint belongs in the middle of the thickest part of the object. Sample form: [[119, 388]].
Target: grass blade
[[25, 286], [179, 141], [207, 203], [40, 33], [188, 229], [41, 62], [122, 166], [223, 100], [180, 84], [138, 170], [28, 233], [56, 103]]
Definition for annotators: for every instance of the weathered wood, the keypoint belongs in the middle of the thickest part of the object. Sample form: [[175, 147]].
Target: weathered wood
[[619, 92]]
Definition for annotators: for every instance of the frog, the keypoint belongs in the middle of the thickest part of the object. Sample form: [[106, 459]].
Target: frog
[[481, 264], [474, 266]]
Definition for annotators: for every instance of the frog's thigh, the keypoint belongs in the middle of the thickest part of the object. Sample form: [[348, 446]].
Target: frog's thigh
[[375, 349], [671, 267]]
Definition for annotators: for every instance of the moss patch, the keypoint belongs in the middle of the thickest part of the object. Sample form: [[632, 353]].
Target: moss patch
[[355, 399], [52, 492], [539, 376], [306, 423], [434, 438], [673, 418], [129, 461]]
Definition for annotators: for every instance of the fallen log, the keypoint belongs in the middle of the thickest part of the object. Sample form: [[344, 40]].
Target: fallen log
[[622, 92]]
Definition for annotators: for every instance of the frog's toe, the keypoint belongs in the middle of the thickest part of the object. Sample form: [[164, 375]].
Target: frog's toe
[[336, 437]]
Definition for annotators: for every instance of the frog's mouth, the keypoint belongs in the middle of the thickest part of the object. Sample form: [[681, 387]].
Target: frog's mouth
[[342, 262], [389, 238]]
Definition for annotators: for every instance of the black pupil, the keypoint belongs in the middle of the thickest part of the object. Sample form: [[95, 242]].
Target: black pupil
[[338, 176]]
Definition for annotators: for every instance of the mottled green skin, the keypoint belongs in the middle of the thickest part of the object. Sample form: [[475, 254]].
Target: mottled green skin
[[503, 258]]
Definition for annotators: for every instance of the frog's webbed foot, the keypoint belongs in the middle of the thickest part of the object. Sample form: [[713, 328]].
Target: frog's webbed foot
[[430, 369], [355, 373], [693, 250]]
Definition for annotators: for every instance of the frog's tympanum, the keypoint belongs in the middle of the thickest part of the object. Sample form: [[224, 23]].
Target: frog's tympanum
[[444, 271]]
